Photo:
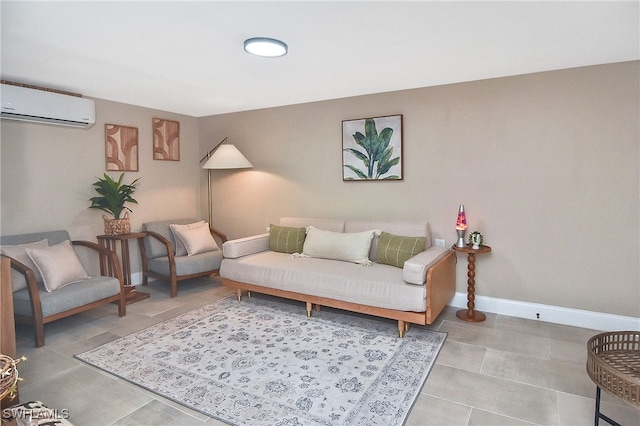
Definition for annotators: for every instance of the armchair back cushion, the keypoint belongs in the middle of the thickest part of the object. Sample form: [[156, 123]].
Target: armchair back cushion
[[51, 237], [19, 253], [68, 297]]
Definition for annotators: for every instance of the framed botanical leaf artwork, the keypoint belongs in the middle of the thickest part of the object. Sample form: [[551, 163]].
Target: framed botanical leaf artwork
[[166, 139], [372, 149], [121, 147]]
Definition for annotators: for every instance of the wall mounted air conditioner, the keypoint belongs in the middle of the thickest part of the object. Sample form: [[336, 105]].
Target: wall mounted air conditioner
[[39, 106]]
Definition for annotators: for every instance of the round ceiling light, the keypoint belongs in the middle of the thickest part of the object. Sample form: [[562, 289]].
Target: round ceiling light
[[263, 46]]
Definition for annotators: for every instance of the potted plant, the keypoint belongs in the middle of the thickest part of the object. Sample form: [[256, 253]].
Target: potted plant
[[113, 195], [475, 239]]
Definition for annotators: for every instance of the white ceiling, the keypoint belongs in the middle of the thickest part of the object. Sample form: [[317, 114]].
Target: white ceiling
[[188, 57]]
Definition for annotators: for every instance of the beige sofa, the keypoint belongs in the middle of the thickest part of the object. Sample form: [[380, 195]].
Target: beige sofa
[[414, 292]]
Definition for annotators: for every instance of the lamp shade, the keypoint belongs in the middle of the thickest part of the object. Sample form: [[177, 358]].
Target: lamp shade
[[227, 157]]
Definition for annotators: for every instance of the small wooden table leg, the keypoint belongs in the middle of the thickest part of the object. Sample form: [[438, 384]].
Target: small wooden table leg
[[110, 242], [470, 314]]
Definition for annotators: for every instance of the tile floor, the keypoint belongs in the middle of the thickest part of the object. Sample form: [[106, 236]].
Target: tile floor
[[504, 371]]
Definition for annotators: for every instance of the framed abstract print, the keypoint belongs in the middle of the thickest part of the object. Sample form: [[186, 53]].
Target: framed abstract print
[[166, 139], [121, 148]]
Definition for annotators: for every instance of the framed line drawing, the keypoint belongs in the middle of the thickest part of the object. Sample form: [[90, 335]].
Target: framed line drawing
[[166, 139], [372, 148], [121, 148]]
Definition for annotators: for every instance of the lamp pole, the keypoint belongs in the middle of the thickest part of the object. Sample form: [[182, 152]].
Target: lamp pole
[[206, 157], [222, 157]]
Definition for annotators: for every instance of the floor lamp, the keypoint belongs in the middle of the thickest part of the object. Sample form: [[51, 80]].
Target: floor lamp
[[222, 157]]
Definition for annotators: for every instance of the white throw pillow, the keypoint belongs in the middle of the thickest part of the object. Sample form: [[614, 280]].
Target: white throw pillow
[[348, 246], [180, 249], [18, 252], [197, 240], [58, 264]]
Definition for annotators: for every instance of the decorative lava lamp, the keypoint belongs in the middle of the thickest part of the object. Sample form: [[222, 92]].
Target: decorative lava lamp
[[461, 226]]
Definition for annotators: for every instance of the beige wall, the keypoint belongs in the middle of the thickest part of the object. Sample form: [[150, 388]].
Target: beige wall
[[545, 164], [47, 174]]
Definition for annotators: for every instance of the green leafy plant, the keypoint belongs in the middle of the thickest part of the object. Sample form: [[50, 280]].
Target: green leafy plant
[[377, 156], [113, 195]]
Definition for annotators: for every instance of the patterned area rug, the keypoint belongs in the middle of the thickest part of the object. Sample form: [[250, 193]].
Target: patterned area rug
[[263, 362]]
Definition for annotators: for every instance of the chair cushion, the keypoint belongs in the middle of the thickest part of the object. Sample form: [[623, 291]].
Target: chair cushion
[[188, 265], [377, 285], [18, 252], [59, 265], [68, 297]]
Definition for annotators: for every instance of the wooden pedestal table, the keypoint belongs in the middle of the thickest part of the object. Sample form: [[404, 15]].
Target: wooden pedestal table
[[110, 242], [470, 314]]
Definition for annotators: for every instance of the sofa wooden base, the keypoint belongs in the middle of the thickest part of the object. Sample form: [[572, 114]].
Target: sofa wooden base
[[439, 293]]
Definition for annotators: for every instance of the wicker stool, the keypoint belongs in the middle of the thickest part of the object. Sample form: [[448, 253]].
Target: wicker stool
[[613, 363]]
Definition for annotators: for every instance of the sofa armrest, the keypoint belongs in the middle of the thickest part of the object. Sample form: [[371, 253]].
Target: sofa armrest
[[415, 269], [244, 246]]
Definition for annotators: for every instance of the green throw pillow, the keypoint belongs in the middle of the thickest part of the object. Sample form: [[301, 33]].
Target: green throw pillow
[[394, 250], [285, 239]]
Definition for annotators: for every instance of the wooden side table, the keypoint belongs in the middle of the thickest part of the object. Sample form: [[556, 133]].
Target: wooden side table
[[110, 242], [470, 314]]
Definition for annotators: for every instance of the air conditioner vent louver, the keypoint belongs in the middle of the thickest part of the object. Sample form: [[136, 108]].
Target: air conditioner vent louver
[[38, 106]]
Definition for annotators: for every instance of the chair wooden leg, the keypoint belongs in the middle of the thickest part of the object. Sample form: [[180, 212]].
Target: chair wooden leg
[[309, 309], [239, 295], [122, 306], [38, 329], [174, 287]]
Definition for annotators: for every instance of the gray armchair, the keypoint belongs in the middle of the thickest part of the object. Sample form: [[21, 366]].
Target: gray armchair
[[160, 260], [34, 304]]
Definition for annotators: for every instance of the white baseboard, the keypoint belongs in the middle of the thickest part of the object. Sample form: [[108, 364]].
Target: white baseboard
[[136, 278], [548, 313]]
